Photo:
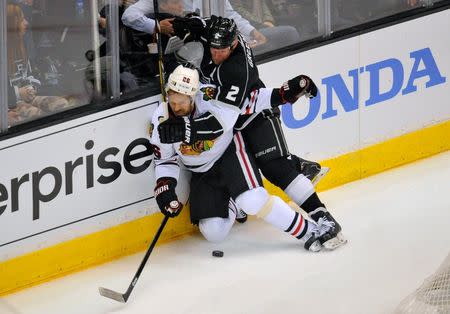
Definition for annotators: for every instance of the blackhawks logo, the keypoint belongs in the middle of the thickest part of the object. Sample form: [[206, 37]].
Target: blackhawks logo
[[197, 148], [208, 93]]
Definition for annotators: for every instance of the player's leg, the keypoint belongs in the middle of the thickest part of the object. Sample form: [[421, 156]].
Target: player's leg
[[268, 124], [302, 193], [216, 229], [239, 171], [266, 140], [208, 197], [211, 207], [326, 222], [276, 212]]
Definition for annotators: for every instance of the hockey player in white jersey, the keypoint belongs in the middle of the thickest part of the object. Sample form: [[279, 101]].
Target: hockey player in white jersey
[[224, 175], [228, 63]]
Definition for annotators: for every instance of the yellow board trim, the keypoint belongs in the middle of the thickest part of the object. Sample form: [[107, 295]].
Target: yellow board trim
[[131, 237], [90, 250], [380, 157]]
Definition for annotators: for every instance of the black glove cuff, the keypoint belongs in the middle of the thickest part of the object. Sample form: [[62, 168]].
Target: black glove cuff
[[169, 181], [277, 98]]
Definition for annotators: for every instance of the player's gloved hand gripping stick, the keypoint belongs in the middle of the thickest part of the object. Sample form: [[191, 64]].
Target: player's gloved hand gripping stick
[[166, 197]]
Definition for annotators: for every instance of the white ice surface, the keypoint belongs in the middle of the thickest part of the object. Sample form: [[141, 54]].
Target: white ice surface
[[397, 224]]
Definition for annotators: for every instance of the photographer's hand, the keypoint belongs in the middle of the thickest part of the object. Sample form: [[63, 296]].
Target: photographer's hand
[[166, 27]]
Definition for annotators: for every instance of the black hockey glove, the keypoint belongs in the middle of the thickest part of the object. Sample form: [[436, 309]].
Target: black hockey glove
[[166, 197], [188, 15], [293, 89], [195, 26], [175, 130], [180, 27]]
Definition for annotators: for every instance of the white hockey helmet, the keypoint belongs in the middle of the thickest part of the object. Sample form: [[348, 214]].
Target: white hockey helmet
[[183, 80]]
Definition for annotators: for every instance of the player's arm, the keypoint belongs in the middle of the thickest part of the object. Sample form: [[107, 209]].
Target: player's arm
[[219, 119], [189, 130], [135, 16], [293, 89], [208, 126], [268, 98], [166, 171], [165, 156], [244, 25]]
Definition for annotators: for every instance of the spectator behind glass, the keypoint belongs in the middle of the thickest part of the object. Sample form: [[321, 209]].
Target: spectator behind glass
[[134, 43], [23, 102], [300, 14], [27, 9], [128, 81], [258, 13], [360, 11], [136, 17]]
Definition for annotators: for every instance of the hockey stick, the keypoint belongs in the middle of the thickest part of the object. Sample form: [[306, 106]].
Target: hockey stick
[[123, 297], [162, 76], [162, 79], [159, 45]]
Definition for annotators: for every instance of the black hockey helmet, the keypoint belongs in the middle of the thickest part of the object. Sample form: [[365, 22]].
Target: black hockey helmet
[[222, 32]]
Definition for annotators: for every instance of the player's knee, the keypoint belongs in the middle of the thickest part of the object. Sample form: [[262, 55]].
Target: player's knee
[[215, 229], [252, 201]]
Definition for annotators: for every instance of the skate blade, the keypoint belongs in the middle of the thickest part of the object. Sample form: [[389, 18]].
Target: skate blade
[[336, 242], [322, 173]]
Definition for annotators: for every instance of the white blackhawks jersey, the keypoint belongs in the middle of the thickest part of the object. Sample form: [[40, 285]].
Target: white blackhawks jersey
[[201, 155]]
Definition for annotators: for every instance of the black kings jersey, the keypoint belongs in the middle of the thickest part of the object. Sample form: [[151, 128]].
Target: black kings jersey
[[235, 78]]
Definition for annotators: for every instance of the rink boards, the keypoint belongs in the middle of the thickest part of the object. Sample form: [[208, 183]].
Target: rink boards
[[81, 192]]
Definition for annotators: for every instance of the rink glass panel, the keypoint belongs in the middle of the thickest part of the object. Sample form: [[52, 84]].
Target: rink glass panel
[[62, 55], [47, 64]]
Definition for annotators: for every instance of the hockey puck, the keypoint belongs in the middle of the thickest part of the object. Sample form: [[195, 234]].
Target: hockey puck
[[217, 253]]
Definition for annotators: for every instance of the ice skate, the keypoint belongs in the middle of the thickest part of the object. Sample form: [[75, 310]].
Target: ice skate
[[311, 239], [310, 169], [241, 216], [330, 232]]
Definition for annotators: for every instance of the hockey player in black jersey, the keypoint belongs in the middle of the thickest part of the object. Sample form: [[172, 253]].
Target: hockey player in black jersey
[[228, 62], [224, 175]]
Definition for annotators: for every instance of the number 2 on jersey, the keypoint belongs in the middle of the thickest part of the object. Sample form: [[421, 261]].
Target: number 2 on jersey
[[234, 90]]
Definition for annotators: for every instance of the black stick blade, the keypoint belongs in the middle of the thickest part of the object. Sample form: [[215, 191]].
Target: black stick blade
[[112, 294]]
